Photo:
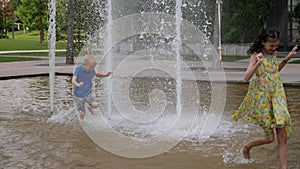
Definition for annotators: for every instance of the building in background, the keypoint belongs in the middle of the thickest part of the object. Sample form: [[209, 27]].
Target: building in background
[[293, 34]]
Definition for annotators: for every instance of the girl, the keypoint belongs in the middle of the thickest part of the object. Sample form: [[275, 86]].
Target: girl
[[265, 102]]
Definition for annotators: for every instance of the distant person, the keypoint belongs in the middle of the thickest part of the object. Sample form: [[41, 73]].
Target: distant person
[[82, 80], [265, 103]]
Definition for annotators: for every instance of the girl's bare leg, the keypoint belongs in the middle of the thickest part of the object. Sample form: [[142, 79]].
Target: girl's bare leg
[[256, 142], [282, 147]]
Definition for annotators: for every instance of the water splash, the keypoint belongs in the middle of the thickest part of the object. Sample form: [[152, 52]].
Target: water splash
[[235, 155], [65, 116], [51, 42], [108, 55], [178, 51]]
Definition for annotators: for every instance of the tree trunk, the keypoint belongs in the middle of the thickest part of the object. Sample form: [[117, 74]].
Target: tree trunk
[[279, 20], [41, 24], [5, 29], [70, 33]]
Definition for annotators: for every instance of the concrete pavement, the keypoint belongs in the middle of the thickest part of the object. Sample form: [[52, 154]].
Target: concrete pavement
[[234, 71]]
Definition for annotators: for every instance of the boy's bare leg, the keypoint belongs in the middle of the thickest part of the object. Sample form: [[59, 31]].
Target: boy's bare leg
[[256, 142], [282, 147], [81, 115], [92, 108]]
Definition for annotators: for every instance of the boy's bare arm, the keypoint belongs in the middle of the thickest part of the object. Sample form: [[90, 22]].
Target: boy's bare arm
[[74, 82], [103, 75]]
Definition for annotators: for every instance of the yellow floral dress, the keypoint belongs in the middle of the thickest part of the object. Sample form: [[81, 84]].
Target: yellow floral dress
[[265, 103]]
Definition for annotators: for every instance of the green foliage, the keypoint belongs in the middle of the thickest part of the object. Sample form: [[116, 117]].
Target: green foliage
[[29, 12], [242, 19], [89, 16], [16, 3], [200, 13], [61, 19]]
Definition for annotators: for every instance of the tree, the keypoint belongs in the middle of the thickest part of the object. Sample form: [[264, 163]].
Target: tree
[[242, 19], [201, 14], [61, 18], [34, 15], [85, 17], [6, 8], [70, 33]]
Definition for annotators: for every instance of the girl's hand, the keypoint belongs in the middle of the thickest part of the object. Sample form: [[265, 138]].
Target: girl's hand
[[259, 58], [292, 52], [290, 55], [287, 58]]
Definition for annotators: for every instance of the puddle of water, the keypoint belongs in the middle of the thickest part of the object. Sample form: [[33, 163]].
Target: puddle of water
[[35, 139]]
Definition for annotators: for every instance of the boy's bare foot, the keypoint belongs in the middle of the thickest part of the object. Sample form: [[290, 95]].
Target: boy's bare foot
[[92, 110], [246, 151], [81, 115]]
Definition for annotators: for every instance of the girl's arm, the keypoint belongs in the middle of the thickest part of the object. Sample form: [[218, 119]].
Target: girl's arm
[[287, 58], [254, 63], [103, 75]]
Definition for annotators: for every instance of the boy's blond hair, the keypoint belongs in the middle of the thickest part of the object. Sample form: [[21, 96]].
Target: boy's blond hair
[[89, 59]]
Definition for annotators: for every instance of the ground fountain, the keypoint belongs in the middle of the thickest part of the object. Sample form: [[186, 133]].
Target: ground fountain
[[51, 41], [127, 115], [137, 120], [164, 107]]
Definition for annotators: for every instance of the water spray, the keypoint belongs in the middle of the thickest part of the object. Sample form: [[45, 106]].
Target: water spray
[[51, 42]]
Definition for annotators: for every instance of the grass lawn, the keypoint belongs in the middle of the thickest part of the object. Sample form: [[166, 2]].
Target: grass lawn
[[16, 59], [225, 58], [28, 41], [59, 54], [295, 62], [232, 58]]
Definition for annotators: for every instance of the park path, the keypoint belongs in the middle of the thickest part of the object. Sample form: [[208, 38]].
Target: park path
[[234, 71]]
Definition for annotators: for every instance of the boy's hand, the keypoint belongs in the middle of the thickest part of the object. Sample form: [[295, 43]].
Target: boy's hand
[[108, 73], [80, 84]]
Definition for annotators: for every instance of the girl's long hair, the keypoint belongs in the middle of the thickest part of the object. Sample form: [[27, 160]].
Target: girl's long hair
[[266, 34]]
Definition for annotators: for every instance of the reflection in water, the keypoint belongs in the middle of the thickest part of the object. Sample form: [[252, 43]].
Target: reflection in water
[[32, 138]]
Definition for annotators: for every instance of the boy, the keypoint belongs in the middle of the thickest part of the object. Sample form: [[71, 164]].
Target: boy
[[82, 80]]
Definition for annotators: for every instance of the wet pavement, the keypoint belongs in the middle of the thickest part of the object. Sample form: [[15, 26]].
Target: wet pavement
[[234, 71]]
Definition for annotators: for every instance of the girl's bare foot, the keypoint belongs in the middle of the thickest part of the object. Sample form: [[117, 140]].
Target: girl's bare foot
[[81, 115], [246, 151], [92, 110]]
